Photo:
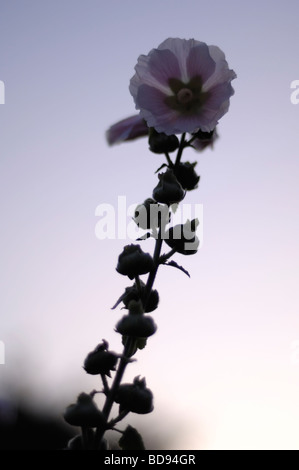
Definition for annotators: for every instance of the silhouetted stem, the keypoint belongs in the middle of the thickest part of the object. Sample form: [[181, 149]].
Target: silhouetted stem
[[180, 150], [113, 390], [153, 273], [170, 164]]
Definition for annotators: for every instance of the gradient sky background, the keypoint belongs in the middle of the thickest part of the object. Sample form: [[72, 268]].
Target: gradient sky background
[[224, 364]]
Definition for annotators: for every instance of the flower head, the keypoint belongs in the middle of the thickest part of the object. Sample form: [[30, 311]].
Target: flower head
[[182, 86]]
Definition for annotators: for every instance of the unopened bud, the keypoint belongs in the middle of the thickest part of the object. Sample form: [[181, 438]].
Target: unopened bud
[[84, 413], [133, 261], [135, 397], [168, 190], [151, 215], [186, 175], [100, 361], [136, 325], [162, 143], [183, 237]]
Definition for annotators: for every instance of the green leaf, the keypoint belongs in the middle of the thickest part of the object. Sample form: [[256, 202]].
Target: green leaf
[[131, 440]]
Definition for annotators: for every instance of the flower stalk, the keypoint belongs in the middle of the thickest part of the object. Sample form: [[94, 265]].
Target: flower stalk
[[198, 79]]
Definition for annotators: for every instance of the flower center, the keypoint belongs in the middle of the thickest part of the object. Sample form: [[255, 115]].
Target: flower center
[[185, 96]]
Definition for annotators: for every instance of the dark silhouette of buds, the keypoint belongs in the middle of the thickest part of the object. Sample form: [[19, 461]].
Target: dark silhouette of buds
[[131, 439], [186, 175], [162, 143], [77, 442], [133, 261], [139, 293], [204, 139], [150, 214], [100, 361], [168, 190], [84, 413], [136, 324], [135, 397], [183, 238]]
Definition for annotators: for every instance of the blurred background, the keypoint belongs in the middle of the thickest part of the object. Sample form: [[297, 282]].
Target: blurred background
[[224, 363]]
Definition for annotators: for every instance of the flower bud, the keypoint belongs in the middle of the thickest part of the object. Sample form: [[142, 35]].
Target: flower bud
[[135, 397], [100, 361], [162, 143], [84, 413], [183, 237], [136, 326], [133, 261], [168, 190], [186, 175], [133, 293], [139, 293], [150, 214], [131, 439], [204, 139]]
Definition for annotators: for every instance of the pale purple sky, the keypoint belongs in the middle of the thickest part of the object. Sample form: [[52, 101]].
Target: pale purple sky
[[225, 357]]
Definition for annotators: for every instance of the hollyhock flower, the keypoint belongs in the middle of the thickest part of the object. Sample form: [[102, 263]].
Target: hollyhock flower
[[127, 129], [182, 86]]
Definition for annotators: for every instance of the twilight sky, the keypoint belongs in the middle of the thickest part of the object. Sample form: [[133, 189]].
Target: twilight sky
[[224, 363]]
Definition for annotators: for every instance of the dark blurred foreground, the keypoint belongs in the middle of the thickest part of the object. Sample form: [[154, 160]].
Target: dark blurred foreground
[[23, 429]]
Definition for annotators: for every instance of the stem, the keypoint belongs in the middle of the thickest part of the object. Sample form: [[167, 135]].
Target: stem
[[85, 439], [105, 384], [111, 395], [191, 140], [180, 150], [169, 161], [138, 284], [152, 274], [121, 416], [130, 345], [168, 255]]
